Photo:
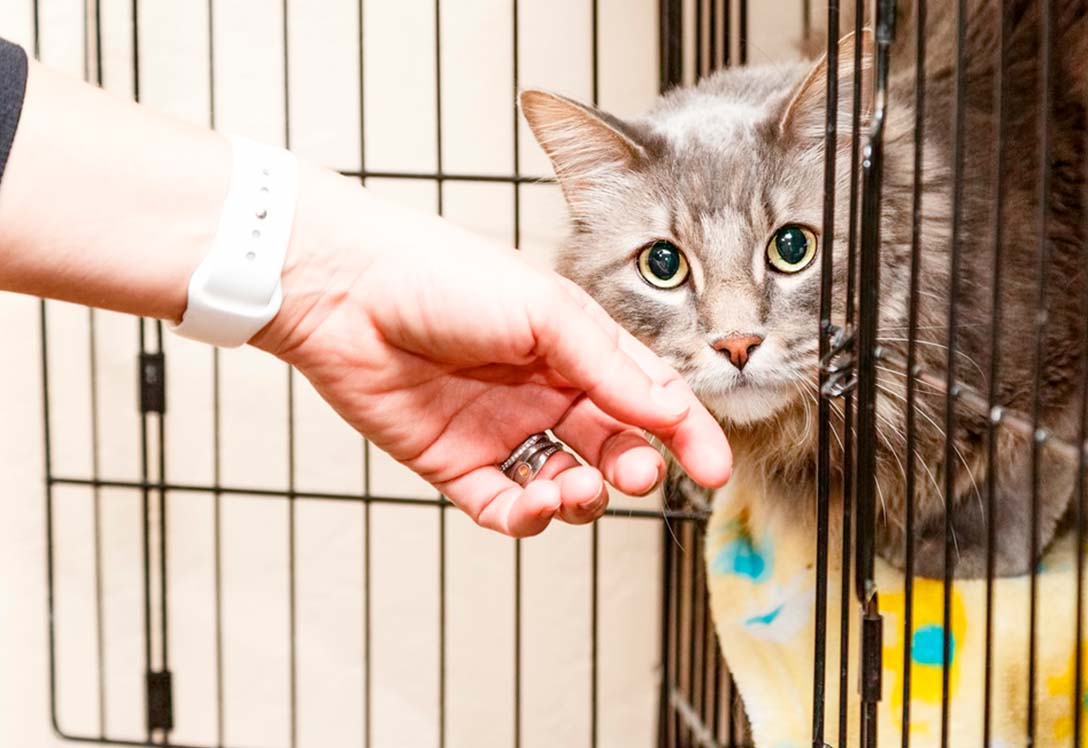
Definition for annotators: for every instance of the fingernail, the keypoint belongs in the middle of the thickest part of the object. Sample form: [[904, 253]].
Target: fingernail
[[672, 402]]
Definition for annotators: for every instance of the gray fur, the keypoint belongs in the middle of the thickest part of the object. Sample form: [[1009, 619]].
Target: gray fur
[[718, 167]]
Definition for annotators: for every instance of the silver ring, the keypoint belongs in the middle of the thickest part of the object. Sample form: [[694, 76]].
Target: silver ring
[[528, 458]]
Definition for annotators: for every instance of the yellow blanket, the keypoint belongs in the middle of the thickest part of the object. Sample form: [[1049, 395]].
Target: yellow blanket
[[761, 575]]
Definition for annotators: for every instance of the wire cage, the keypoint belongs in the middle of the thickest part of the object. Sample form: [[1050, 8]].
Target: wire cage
[[691, 700], [114, 625]]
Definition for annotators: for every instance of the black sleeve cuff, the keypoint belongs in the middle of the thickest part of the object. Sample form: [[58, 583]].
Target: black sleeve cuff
[[13, 71]]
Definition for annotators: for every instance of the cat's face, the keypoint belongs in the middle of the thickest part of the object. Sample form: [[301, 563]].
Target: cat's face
[[697, 228]]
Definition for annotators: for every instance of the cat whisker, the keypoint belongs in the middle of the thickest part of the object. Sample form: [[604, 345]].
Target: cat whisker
[[935, 344], [924, 414]]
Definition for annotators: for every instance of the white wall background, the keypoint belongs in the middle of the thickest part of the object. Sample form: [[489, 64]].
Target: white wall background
[[399, 134]]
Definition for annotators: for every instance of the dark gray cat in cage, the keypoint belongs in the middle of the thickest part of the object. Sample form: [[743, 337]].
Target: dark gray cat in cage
[[698, 227]]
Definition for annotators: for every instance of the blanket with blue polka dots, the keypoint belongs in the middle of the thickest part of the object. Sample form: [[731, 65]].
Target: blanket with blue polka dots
[[761, 576]]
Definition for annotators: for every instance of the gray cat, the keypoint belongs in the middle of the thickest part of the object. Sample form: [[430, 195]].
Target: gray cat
[[698, 227]]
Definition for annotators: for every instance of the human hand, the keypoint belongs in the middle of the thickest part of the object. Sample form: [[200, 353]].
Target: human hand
[[447, 352]]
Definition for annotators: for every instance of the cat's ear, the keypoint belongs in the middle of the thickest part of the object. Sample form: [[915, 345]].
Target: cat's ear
[[587, 147], [805, 114]]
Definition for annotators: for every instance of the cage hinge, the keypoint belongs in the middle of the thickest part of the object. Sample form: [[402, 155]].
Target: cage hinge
[[838, 363], [152, 383], [872, 643], [160, 700]]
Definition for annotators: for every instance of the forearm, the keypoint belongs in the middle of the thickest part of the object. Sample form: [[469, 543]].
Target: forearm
[[108, 204]]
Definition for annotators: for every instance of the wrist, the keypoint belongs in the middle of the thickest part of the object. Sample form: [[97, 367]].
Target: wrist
[[325, 257]]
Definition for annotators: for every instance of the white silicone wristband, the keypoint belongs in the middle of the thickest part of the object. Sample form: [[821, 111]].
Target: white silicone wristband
[[235, 291]]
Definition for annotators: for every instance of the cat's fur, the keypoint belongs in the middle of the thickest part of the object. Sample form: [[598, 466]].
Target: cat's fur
[[717, 168]]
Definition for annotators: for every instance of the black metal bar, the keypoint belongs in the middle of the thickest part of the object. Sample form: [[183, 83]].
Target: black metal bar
[[1046, 88], [36, 27], [292, 508], [742, 41], [515, 34], [48, 464], [676, 601], [823, 461], [440, 176], [145, 510], [164, 602], [1080, 517], [595, 533], [959, 106], [331, 496], [217, 450], [668, 628], [846, 548], [441, 506], [671, 31], [698, 613], [912, 356], [700, 30], [712, 33], [368, 734], [96, 497], [727, 32], [1001, 107], [868, 427], [100, 641]]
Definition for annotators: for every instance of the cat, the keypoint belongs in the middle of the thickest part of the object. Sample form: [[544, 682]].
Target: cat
[[698, 227]]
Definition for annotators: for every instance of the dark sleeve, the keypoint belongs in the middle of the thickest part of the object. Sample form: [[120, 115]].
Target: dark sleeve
[[12, 89]]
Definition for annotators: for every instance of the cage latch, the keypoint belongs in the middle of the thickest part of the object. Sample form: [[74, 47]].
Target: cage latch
[[160, 700], [152, 383], [838, 363], [872, 642]]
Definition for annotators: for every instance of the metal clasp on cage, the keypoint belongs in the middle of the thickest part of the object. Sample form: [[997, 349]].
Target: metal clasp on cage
[[839, 363]]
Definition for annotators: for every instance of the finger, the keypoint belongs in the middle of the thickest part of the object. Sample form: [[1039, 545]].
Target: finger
[[583, 495], [586, 351], [494, 501], [623, 454], [697, 440], [699, 445]]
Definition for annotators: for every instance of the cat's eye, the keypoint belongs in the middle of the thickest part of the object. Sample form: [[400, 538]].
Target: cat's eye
[[791, 248], [663, 265]]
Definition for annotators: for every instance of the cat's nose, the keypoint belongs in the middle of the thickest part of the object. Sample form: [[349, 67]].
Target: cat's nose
[[738, 347]]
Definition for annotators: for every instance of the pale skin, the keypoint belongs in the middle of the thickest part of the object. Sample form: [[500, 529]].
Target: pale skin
[[444, 349]]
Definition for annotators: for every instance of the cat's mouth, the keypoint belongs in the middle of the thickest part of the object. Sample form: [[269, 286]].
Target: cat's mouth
[[745, 401]]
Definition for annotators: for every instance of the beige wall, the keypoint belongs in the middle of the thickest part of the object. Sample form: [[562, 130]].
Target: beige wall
[[400, 134]]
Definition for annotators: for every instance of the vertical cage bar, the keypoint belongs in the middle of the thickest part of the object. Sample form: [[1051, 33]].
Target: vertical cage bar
[[145, 543], [742, 23], [439, 185], [867, 339], [668, 628], [952, 389], [848, 400], [515, 56], [1038, 442], [823, 464], [677, 605], [292, 504], [671, 35], [367, 603], [595, 532], [100, 641], [217, 449], [912, 357], [1079, 512], [700, 27], [1001, 106], [217, 530]]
